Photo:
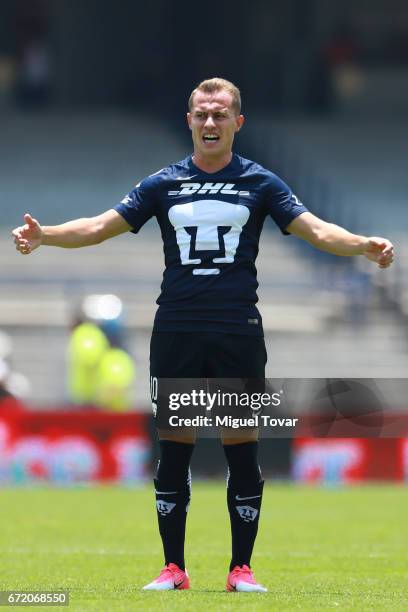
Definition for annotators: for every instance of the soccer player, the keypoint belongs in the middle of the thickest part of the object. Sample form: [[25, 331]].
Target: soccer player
[[211, 207]]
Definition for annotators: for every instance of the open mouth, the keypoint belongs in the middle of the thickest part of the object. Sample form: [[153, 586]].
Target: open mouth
[[210, 138]]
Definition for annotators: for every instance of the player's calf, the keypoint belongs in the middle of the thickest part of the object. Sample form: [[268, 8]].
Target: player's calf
[[244, 498], [172, 489]]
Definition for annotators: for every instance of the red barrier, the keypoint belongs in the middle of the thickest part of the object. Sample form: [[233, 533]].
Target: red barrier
[[70, 447], [350, 460]]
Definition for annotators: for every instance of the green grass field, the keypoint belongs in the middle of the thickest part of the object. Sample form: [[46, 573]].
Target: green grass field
[[316, 549]]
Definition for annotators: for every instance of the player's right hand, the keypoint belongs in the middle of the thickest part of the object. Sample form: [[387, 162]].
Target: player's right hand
[[29, 236]]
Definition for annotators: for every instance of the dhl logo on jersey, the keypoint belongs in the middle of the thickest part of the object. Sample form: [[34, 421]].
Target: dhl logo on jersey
[[207, 188]]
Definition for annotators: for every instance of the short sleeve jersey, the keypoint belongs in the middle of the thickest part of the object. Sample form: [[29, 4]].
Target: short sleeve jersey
[[210, 225]]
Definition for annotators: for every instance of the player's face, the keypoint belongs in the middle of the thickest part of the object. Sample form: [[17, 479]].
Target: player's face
[[213, 123]]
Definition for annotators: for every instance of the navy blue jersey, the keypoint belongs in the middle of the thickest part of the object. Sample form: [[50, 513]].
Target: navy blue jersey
[[210, 225]]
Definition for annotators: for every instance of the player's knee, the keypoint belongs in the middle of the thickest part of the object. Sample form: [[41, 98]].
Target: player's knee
[[174, 464], [243, 464], [237, 436], [184, 436]]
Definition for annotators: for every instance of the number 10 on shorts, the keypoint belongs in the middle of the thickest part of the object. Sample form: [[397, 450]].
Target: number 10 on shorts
[[153, 393]]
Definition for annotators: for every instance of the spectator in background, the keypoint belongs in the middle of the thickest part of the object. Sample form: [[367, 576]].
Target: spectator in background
[[341, 47], [86, 347], [8, 403], [34, 81], [100, 372], [34, 67], [4, 372], [116, 373], [12, 384], [341, 53], [7, 78]]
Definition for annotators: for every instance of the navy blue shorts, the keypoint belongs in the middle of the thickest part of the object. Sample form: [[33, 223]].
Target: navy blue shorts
[[206, 355], [183, 363]]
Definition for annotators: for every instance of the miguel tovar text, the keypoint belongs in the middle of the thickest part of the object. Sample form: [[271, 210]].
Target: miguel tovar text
[[229, 421]]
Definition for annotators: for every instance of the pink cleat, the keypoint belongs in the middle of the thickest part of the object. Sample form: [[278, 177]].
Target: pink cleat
[[171, 577], [241, 579]]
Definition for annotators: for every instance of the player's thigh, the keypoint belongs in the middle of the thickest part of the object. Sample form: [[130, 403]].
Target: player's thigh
[[173, 355], [235, 356], [176, 355]]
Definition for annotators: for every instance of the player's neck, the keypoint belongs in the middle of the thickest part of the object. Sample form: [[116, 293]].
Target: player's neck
[[210, 165]]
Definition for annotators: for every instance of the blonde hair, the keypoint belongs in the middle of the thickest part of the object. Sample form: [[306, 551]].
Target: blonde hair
[[217, 84]]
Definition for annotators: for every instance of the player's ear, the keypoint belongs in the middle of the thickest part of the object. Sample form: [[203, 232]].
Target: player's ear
[[240, 122], [189, 120]]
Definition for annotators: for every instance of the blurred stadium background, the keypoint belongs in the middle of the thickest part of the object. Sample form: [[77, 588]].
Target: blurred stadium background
[[92, 99]]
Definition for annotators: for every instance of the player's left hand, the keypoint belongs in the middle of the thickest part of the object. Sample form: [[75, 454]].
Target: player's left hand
[[379, 250]]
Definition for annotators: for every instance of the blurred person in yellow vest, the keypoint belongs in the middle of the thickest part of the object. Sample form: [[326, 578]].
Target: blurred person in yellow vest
[[86, 347], [100, 371], [116, 373]]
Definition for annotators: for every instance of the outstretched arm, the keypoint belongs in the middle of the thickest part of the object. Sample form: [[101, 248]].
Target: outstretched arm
[[70, 235], [338, 241]]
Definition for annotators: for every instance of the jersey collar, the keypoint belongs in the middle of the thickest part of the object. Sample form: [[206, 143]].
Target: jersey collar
[[230, 168]]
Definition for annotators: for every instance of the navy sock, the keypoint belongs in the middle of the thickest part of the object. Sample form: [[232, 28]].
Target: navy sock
[[172, 487], [244, 498]]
